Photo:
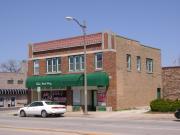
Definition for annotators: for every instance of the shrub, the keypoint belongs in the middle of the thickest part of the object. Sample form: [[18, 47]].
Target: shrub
[[162, 105]]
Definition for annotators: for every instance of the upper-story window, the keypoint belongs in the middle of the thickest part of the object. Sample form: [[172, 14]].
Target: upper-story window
[[149, 65], [36, 67], [76, 63], [53, 65], [10, 81], [98, 61], [20, 81], [138, 63], [128, 62]]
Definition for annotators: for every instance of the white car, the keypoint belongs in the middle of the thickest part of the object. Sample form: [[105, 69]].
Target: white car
[[42, 108]]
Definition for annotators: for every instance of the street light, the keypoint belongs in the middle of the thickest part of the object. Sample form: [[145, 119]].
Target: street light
[[83, 27]]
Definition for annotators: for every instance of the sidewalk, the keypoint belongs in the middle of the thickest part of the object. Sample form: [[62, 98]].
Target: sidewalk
[[135, 114], [125, 114]]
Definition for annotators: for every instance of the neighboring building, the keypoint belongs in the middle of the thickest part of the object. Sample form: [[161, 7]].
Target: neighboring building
[[122, 73], [171, 82], [13, 92]]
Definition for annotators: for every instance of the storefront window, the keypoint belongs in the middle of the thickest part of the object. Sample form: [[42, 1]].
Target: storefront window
[[101, 97], [1, 101], [13, 99], [58, 96], [76, 97]]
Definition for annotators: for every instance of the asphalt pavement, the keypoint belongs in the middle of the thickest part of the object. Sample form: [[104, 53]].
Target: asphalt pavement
[[126, 122]]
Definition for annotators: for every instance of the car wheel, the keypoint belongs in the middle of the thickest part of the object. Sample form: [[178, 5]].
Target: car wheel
[[177, 114], [44, 114], [22, 113]]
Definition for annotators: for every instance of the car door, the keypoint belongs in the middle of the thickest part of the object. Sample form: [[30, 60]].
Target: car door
[[30, 110], [38, 108]]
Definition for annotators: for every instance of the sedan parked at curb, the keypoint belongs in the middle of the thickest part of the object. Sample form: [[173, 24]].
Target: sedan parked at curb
[[42, 108]]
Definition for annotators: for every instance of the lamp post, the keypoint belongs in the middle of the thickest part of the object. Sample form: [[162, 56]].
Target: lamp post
[[83, 27]]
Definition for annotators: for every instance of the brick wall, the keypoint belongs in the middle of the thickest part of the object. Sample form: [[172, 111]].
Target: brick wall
[[5, 76], [171, 82], [136, 88], [127, 89]]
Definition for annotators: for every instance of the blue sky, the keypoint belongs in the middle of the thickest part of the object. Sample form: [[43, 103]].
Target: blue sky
[[152, 22]]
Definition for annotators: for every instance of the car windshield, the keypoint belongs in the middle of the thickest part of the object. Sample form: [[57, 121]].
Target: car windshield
[[51, 103]]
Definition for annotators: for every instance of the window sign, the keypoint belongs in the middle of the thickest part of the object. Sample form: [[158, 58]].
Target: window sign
[[101, 97], [38, 89], [58, 96]]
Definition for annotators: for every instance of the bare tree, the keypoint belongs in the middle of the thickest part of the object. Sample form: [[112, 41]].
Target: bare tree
[[10, 66]]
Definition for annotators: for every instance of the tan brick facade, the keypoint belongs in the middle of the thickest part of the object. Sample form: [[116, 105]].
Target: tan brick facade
[[171, 82], [12, 94], [136, 88], [126, 89]]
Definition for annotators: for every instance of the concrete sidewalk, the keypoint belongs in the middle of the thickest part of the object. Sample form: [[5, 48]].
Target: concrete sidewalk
[[126, 114]]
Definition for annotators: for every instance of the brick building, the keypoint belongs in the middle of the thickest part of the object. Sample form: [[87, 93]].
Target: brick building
[[171, 82], [122, 73], [12, 89]]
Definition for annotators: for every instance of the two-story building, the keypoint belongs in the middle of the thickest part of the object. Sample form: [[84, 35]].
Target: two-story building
[[13, 92], [121, 72]]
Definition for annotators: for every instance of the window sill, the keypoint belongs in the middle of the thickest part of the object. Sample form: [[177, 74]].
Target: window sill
[[149, 72], [128, 70], [52, 73], [75, 72], [98, 69], [35, 74]]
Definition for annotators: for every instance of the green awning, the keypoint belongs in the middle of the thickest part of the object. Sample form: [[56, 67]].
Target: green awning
[[63, 81]]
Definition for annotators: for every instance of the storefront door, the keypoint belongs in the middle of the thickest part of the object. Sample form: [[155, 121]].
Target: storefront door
[[94, 100], [13, 101], [1, 101]]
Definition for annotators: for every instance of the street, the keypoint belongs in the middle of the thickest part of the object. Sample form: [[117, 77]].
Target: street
[[88, 125]]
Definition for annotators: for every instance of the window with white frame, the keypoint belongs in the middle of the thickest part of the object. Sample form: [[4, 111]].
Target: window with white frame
[[36, 67], [98, 61], [53, 65], [149, 65], [138, 63], [128, 62], [71, 63], [76, 63]]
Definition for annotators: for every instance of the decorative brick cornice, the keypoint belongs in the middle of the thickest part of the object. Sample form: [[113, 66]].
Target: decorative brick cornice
[[67, 42]]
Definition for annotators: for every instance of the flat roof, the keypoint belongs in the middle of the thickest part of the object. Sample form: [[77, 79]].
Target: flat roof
[[170, 67]]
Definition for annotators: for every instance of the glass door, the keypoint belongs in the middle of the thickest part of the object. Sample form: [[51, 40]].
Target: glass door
[[1, 101], [13, 101]]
